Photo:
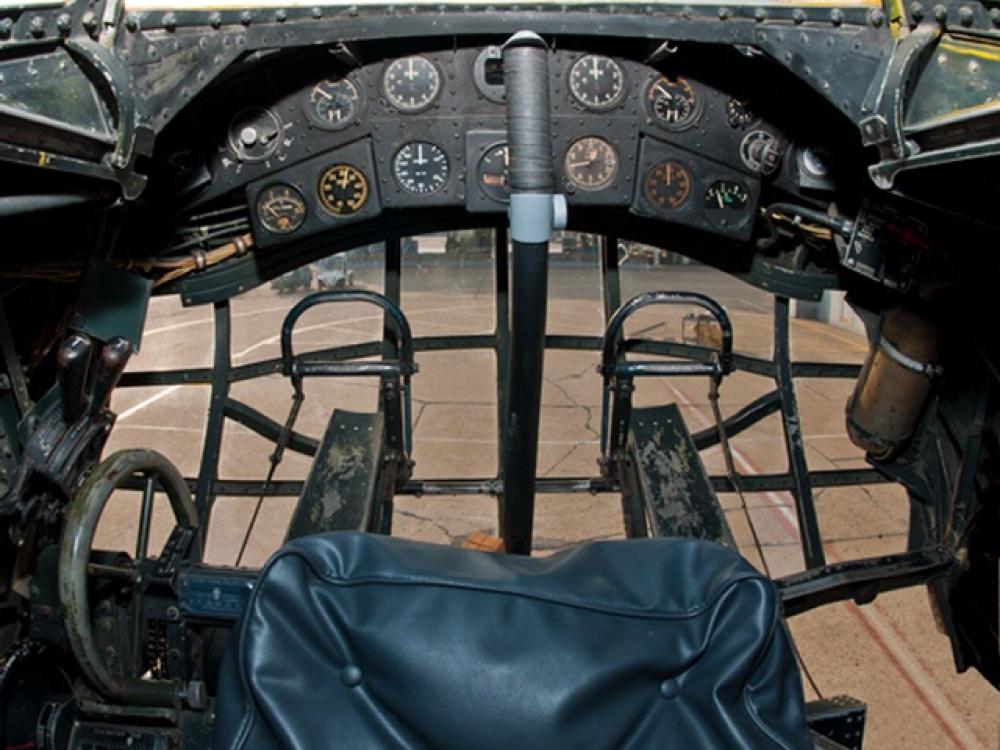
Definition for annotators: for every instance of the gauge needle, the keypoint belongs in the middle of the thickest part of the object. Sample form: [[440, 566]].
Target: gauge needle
[[575, 164], [721, 201], [596, 71], [664, 92], [321, 92]]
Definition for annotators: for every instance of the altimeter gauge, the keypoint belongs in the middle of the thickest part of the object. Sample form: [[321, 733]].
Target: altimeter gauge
[[673, 103], [421, 168], [343, 189], [493, 173], [668, 185], [411, 84], [597, 82], [591, 163], [333, 104], [281, 209]]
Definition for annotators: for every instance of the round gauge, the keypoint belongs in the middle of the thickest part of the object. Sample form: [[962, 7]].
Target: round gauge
[[668, 185], [421, 167], [281, 209], [760, 150], [254, 134], [343, 189], [673, 103], [493, 173], [738, 113], [411, 84], [726, 203], [597, 82], [591, 163], [333, 104]]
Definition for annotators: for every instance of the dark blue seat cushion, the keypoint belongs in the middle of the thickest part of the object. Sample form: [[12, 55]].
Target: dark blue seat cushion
[[360, 641]]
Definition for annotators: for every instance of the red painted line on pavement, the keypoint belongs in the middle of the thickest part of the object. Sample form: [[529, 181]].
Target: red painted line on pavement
[[879, 641]]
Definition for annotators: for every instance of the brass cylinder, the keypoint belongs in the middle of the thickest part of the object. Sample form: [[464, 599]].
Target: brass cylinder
[[897, 377]]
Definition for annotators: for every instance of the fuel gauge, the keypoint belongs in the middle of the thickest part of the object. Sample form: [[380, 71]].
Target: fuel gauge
[[727, 203], [281, 209]]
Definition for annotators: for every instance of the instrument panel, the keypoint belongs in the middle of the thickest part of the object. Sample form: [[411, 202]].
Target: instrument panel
[[429, 130]]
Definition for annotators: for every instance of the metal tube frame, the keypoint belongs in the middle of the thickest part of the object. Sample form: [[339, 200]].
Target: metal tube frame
[[819, 584]]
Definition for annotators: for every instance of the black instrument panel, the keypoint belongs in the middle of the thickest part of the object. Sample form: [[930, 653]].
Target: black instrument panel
[[428, 130]]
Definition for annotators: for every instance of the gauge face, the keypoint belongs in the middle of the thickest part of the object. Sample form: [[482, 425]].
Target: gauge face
[[597, 82], [726, 203], [673, 103], [411, 84], [421, 168], [493, 173], [281, 209], [343, 190], [254, 134], [738, 113], [591, 163], [668, 185], [760, 150], [333, 105]]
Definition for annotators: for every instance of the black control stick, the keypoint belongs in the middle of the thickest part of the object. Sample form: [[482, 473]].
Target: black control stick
[[534, 212], [74, 367], [114, 357]]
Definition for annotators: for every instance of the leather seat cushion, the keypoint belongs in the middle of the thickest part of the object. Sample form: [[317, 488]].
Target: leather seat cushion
[[360, 641]]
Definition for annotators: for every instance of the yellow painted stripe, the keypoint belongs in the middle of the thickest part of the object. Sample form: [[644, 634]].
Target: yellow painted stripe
[[982, 52], [977, 109], [199, 5]]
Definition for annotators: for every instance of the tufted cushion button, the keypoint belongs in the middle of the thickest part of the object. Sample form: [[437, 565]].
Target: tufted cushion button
[[351, 675], [669, 688]]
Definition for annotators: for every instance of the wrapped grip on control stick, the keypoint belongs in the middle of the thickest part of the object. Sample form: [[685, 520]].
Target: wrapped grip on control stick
[[534, 211]]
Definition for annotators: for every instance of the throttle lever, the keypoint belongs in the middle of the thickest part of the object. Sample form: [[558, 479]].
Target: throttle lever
[[74, 367], [114, 357]]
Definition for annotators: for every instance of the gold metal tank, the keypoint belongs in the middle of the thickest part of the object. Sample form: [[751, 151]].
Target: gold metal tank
[[894, 384]]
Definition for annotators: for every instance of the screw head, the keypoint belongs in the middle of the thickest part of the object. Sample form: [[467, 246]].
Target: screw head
[[37, 27]]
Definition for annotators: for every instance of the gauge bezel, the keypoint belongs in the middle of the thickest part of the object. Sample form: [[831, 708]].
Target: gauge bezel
[[260, 199], [499, 196], [669, 207], [674, 127], [755, 166], [581, 102], [317, 121], [324, 203], [606, 183], [402, 107], [716, 218], [239, 150], [402, 185]]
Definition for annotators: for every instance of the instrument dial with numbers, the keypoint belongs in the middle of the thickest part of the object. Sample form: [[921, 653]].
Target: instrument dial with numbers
[[673, 103], [421, 168], [591, 163], [281, 209], [411, 84], [597, 82], [738, 113], [726, 203], [493, 173], [668, 184], [333, 104], [343, 189]]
